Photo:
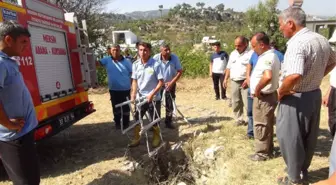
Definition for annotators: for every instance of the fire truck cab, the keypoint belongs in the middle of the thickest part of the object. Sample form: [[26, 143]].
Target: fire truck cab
[[58, 67]]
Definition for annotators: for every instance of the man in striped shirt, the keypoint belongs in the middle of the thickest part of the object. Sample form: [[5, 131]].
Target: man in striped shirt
[[308, 59]]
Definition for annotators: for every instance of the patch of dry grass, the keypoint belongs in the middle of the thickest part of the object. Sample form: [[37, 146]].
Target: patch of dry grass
[[232, 167]]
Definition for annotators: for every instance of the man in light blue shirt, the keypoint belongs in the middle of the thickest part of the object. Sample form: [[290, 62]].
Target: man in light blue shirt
[[119, 70], [17, 113], [172, 71], [147, 80]]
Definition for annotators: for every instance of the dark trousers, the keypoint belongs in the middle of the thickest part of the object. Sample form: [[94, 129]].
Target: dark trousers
[[218, 80], [297, 126], [169, 97], [116, 98], [150, 108], [332, 111], [332, 166], [20, 160], [250, 114]]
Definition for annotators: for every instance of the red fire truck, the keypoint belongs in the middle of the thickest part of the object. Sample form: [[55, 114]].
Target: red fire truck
[[58, 68]]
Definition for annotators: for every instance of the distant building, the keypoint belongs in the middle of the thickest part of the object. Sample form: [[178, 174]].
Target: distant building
[[124, 38], [209, 40]]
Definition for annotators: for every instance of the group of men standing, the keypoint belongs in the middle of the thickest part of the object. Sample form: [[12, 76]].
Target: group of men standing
[[262, 79], [147, 77], [255, 90], [296, 91]]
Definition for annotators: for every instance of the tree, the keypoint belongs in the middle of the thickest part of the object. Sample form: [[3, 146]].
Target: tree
[[263, 17], [160, 9], [200, 5], [332, 18], [220, 7], [87, 10]]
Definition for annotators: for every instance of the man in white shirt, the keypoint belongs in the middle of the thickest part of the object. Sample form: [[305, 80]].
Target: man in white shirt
[[263, 85], [236, 71]]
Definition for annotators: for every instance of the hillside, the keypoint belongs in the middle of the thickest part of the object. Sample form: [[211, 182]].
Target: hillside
[[152, 14]]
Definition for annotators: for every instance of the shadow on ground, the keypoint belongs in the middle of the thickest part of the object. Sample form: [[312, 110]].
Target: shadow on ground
[[324, 143], [82, 145], [318, 175], [114, 177]]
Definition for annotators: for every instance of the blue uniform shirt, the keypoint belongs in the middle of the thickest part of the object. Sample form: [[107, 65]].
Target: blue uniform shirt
[[15, 98], [254, 58], [169, 68], [147, 76], [118, 73]]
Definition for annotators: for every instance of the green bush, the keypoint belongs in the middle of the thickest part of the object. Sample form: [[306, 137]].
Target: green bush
[[194, 63], [102, 76]]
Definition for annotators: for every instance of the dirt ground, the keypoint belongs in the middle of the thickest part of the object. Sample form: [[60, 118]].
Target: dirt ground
[[92, 152]]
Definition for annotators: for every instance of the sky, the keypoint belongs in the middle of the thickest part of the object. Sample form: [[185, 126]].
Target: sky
[[312, 7]]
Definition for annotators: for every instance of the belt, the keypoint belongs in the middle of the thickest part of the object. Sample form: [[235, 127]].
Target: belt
[[238, 80], [267, 94], [315, 90]]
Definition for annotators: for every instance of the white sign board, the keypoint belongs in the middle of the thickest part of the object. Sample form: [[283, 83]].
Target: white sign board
[[51, 61]]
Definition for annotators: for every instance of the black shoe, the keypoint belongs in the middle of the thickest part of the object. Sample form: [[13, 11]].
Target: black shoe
[[117, 126], [217, 98], [304, 174], [125, 126], [170, 126], [225, 98], [305, 178], [287, 181]]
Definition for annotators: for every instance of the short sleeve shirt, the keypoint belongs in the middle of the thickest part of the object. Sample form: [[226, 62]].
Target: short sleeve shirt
[[170, 68], [118, 73], [219, 62], [238, 64], [267, 61], [308, 54], [15, 98], [147, 76]]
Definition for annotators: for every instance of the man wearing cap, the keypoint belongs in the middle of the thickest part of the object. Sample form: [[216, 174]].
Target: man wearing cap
[[172, 71], [119, 70], [147, 81]]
